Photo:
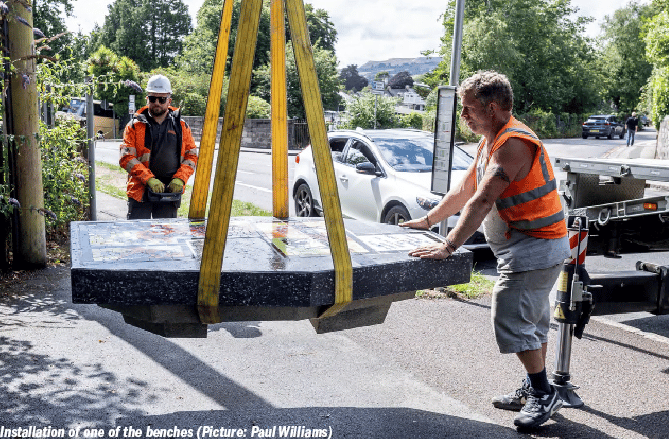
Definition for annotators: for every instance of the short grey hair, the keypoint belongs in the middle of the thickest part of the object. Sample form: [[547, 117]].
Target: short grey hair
[[489, 86]]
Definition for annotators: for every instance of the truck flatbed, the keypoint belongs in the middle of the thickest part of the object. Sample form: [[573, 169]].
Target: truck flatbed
[[643, 169]]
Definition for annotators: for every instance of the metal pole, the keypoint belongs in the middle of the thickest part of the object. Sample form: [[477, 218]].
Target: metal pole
[[457, 43], [563, 350], [90, 133], [376, 100], [454, 78]]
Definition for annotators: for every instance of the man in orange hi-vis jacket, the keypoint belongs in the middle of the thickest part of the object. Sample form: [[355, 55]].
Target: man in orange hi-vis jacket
[[159, 153], [510, 189]]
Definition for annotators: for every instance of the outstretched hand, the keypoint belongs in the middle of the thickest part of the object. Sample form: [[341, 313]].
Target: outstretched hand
[[436, 251], [419, 223]]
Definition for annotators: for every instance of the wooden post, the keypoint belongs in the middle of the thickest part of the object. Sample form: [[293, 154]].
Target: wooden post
[[32, 237]]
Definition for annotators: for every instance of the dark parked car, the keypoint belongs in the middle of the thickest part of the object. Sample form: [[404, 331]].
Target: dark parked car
[[603, 125]]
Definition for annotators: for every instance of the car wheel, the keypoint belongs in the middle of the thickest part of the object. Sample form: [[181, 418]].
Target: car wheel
[[304, 202], [610, 136], [585, 136], [622, 135], [596, 137], [397, 214]]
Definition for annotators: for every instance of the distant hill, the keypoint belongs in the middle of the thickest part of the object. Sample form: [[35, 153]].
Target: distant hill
[[415, 66]]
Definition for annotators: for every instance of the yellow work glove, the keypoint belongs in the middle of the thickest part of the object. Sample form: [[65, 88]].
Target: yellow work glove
[[175, 186], [156, 185]]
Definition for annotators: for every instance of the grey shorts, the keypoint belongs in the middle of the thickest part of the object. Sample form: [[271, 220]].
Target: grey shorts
[[521, 309]]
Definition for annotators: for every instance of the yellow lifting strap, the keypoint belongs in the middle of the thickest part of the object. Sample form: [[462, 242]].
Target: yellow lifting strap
[[228, 158], [198, 203], [226, 166], [279, 110], [313, 106]]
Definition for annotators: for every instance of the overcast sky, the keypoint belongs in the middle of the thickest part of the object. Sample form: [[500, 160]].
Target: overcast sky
[[367, 30]]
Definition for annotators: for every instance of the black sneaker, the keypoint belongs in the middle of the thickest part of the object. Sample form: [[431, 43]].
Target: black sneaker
[[539, 407], [513, 401]]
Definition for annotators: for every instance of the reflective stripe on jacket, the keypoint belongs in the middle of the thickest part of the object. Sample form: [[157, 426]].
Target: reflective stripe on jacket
[[531, 205], [135, 154]]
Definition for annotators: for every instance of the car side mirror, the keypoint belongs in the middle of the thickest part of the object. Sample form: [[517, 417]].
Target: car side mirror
[[366, 168]]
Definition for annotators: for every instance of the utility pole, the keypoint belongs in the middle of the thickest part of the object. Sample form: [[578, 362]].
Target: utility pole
[[32, 236], [90, 133], [454, 79]]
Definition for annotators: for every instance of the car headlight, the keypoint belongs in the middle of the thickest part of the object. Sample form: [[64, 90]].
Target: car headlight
[[427, 203]]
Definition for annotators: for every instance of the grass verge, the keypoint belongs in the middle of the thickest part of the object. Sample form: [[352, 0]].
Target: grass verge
[[478, 286], [112, 179]]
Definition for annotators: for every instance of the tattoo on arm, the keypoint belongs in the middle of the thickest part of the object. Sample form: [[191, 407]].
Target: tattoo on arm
[[498, 171]]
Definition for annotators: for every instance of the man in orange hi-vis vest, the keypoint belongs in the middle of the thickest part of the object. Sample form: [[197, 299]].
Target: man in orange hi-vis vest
[[510, 189]]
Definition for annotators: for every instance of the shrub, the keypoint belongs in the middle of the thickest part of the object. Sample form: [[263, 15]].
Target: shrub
[[412, 120], [258, 108], [66, 194]]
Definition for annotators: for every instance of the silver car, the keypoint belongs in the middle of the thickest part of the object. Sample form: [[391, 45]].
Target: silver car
[[382, 176]]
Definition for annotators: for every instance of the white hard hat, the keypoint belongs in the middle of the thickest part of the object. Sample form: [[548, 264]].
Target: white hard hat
[[158, 84]]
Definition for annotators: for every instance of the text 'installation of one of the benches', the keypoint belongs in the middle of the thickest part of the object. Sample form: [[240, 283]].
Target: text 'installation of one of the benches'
[[272, 270]]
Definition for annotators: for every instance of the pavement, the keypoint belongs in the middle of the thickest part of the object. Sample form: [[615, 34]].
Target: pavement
[[428, 372]]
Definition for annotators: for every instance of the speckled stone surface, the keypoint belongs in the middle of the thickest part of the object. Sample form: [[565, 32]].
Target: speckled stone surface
[[267, 262]]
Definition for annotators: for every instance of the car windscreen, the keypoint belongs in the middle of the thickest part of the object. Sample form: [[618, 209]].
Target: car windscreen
[[415, 154], [596, 118]]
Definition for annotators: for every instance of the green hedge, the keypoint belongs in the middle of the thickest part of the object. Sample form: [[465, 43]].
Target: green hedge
[[545, 125]]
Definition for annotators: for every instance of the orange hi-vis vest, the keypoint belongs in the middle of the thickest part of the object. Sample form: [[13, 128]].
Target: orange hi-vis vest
[[136, 155], [531, 205]]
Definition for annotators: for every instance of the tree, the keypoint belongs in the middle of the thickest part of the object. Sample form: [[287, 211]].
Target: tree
[[109, 72], [150, 32], [200, 46], [361, 111], [657, 50], [328, 81], [352, 79], [401, 80], [48, 18], [321, 30], [623, 56], [382, 76], [536, 44]]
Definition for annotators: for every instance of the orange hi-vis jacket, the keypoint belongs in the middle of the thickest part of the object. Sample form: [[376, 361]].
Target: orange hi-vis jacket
[[531, 205], [135, 153]]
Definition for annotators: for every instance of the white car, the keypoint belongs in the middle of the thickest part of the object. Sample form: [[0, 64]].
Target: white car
[[382, 176]]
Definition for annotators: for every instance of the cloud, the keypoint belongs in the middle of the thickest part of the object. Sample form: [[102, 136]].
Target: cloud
[[377, 30], [370, 30]]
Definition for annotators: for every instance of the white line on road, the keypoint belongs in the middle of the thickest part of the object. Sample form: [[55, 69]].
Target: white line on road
[[255, 187], [631, 329]]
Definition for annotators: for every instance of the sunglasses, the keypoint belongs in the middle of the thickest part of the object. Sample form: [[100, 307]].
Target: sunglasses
[[161, 99]]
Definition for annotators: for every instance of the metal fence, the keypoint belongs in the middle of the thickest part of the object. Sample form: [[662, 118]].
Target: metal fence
[[300, 138]]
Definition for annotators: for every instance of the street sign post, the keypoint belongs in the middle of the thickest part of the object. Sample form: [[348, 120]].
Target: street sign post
[[378, 88], [444, 139]]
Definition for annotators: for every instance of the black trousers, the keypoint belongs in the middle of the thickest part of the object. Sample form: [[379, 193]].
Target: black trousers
[[148, 209]]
